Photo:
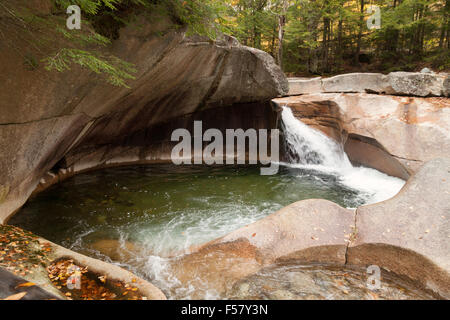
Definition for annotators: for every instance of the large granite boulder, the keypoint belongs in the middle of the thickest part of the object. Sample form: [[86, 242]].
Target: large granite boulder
[[304, 86], [310, 231], [355, 82], [417, 84], [410, 233], [71, 121]]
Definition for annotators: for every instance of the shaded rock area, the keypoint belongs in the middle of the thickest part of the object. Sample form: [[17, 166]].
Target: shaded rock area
[[395, 135], [320, 282], [395, 83], [369, 152], [410, 234], [16, 288], [71, 121]]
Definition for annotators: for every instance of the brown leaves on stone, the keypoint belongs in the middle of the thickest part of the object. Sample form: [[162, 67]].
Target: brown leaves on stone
[[21, 252], [93, 287]]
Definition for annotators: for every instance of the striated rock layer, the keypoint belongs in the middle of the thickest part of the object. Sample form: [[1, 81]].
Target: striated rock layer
[[67, 122]]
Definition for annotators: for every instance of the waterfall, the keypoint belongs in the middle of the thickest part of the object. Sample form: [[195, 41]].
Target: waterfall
[[310, 149]]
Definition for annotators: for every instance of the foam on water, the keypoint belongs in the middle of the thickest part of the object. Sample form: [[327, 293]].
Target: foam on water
[[311, 149], [194, 226]]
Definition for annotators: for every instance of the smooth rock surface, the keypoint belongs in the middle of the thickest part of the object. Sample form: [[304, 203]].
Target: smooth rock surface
[[111, 271], [117, 250], [410, 233], [395, 83], [415, 84], [310, 231], [299, 86], [355, 82], [369, 152]]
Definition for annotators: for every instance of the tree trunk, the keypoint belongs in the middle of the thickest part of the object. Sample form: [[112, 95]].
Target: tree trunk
[[445, 24], [361, 23], [281, 24]]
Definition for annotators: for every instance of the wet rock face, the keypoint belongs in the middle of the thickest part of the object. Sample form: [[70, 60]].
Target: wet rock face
[[405, 131], [369, 152], [409, 234], [319, 282], [48, 115], [322, 115]]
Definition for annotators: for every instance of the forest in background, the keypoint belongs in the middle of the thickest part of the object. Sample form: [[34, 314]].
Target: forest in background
[[332, 36], [306, 37]]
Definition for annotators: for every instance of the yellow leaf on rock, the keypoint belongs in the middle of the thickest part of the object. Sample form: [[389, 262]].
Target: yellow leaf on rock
[[26, 284]]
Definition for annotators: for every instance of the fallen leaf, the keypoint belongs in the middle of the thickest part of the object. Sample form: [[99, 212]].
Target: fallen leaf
[[374, 295], [16, 296], [26, 284]]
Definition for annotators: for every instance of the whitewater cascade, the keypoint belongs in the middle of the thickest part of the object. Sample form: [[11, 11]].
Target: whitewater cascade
[[310, 149]]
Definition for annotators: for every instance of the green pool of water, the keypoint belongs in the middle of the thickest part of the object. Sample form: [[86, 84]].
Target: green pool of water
[[139, 217], [168, 208]]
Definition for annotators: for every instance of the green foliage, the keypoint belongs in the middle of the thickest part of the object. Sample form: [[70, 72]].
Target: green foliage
[[116, 70], [317, 36], [255, 22], [101, 21], [328, 36], [89, 6], [30, 62], [202, 17]]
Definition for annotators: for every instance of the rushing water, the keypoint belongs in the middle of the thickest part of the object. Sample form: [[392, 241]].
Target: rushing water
[[141, 216], [168, 208], [312, 150]]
